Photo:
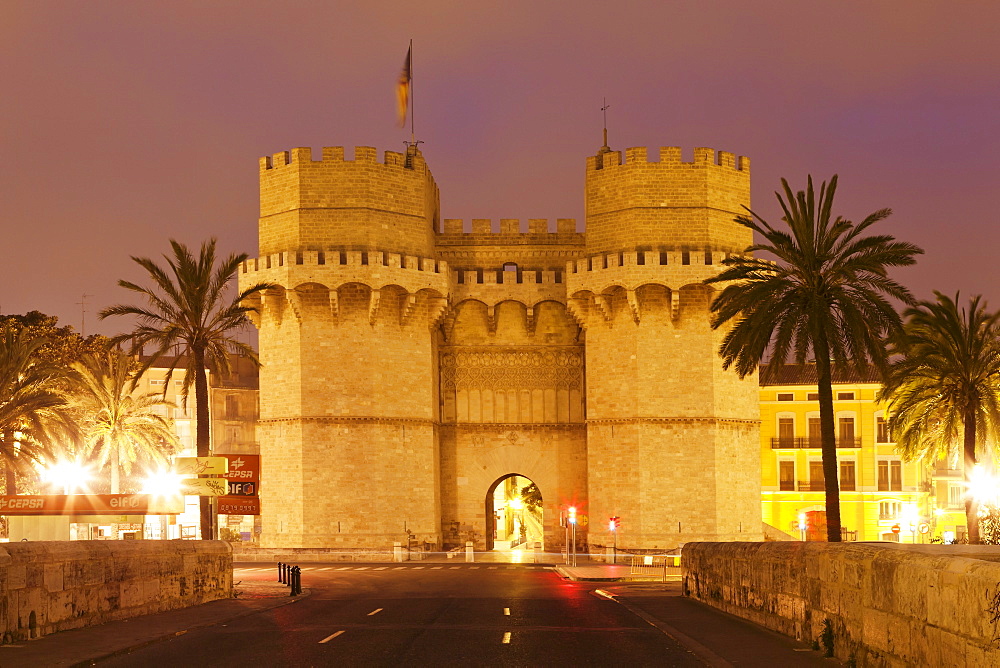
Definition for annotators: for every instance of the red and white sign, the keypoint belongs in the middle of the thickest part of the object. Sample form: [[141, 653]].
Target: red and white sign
[[895, 528], [238, 505], [91, 504], [243, 468]]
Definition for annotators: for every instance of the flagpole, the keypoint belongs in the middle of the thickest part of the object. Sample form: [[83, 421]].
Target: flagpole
[[412, 135]]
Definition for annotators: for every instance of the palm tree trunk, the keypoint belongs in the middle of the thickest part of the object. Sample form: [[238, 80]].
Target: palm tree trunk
[[824, 382], [116, 470], [203, 434], [969, 448], [10, 480]]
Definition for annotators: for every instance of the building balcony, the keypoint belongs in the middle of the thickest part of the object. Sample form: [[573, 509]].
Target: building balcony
[[811, 486], [780, 443]]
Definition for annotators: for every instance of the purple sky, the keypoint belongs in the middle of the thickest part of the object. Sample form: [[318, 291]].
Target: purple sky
[[125, 124]]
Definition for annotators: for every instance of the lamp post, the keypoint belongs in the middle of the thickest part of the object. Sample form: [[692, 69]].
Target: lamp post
[[802, 526]]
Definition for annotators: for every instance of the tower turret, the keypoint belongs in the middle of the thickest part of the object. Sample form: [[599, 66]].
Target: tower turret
[[359, 204]]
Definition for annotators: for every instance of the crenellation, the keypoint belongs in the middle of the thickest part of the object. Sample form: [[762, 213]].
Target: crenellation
[[540, 225], [482, 226], [454, 226], [636, 155], [510, 226]]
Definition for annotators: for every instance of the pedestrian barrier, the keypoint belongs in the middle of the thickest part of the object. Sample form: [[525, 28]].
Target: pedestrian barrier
[[291, 576], [655, 565]]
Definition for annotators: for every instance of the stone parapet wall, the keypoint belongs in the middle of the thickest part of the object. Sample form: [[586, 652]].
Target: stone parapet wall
[[54, 586], [876, 604]]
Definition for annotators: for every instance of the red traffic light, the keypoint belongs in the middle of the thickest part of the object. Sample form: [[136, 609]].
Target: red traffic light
[[614, 523]]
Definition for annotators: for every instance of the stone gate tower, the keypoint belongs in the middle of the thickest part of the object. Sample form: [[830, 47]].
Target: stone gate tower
[[410, 365], [670, 435]]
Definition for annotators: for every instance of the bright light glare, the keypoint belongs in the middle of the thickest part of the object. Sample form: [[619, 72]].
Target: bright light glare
[[67, 475], [515, 504], [983, 486], [162, 483]]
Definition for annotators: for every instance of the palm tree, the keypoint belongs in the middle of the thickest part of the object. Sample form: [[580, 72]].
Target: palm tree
[[944, 385], [35, 418], [188, 308], [120, 425], [825, 296]]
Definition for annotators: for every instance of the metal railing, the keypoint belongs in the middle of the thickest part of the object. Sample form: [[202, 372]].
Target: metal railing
[[804, 442], [655, 565]]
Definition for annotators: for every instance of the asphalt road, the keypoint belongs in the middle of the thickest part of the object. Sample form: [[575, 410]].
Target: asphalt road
[[433, 614]]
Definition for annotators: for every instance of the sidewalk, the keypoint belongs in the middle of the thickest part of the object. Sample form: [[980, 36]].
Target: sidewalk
[[80, 647], [717, 638]]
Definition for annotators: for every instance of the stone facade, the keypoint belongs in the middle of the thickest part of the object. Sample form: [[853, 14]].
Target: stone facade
[[410, 364]]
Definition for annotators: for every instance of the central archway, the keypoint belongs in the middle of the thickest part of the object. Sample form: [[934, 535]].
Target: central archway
[[514, 515]]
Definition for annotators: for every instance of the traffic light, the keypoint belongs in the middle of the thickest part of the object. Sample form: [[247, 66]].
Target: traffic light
[[614, 523], [571, 514]]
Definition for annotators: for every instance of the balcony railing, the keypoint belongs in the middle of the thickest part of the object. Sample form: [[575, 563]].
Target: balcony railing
[[810, 486], [780, 443]]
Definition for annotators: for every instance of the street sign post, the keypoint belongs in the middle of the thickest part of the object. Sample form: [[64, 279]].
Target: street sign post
[[204, 486], [201, 465]]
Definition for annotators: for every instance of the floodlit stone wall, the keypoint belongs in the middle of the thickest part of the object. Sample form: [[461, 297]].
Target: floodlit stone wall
[[877, 604], [50, 586], [411, 363]]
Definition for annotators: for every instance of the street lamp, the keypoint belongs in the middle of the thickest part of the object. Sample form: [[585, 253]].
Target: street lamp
[[802, 526], [66, 474]]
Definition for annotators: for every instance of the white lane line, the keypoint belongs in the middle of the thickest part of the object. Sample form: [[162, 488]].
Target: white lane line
[[362, 568], [506, 611], [330, 637], [375, 612], [601, 592], [436, 568], [381, 568], [472, 568], [491, 567], [343, 568], [325, 569], [416, 568], [506, 638], [454, 567]]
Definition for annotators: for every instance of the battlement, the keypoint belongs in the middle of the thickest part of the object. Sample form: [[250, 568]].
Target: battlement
[[670, 156], [334, 155], [672, 258], [501, 277], [509, 226], [311, 258]]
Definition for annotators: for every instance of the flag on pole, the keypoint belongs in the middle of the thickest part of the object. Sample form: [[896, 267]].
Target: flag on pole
[[403, 90]]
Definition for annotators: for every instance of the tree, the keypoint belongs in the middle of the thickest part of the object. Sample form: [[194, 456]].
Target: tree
[[34, 413], [120, 426], [942, 387], [825, 295], [188, 308], [62, 345]]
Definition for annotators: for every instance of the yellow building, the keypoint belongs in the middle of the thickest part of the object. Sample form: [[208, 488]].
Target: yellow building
[[882, 497]]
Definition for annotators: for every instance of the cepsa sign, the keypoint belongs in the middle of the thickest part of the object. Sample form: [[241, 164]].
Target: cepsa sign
[[91, 504], [243, 468]]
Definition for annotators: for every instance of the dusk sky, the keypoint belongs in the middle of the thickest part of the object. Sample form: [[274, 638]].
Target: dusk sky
[[125, 124]]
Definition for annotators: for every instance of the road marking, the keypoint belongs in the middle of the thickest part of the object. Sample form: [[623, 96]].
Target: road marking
[[490, 567], [454, 567], [506, 611], [325, 569], [436, 568], [361, 568], [601, 592], [382, 568], [506, 638], [330, 637], [375, 612], [343, 568], [416, 568], [472, 568]]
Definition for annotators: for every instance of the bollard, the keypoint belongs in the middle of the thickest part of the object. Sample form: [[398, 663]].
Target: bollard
[[397, 552], [296, 581], [281, 573], [470, 556]]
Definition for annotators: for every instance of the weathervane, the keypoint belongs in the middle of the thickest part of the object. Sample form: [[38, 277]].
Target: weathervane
[[604, 110]]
